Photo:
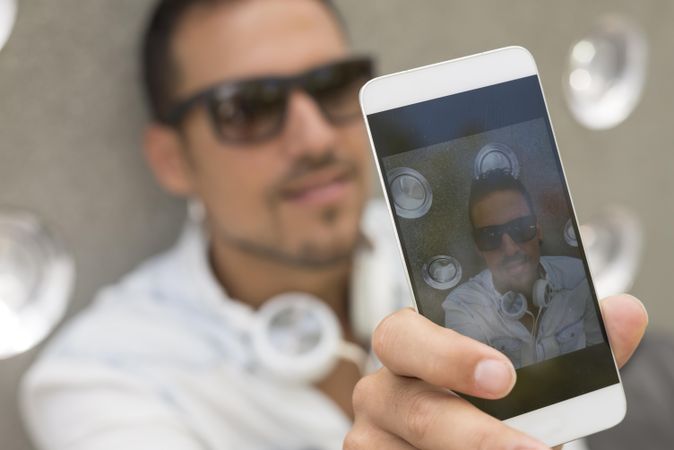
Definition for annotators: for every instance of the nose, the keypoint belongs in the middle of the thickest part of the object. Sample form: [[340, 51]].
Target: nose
[[508, 246], [307, 132]]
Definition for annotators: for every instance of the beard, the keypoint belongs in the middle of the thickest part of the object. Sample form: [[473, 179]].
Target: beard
[[309, 255], [292, 244], [522, 283]]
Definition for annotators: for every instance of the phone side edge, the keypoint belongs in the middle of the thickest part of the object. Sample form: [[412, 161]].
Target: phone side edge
[[382, 183]]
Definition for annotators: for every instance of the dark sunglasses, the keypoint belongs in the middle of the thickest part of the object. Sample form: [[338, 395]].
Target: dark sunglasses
[[489, 238], [253, 110]]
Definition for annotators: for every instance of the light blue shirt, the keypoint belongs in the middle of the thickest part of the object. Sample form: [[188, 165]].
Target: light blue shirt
[[567, 324]]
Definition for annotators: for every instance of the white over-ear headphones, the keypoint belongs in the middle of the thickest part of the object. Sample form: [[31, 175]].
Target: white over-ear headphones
[[513, 305], [296, 338]]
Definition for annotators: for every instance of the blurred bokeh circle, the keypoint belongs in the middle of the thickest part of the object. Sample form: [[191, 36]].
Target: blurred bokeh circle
[[36, 279], [613, 242], [7, 20], [606, 72]]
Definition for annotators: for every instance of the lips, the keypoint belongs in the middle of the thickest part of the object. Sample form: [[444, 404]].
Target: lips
[[319, 187], [515, 264]]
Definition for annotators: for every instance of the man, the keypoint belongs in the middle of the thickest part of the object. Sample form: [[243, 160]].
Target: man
[[528, 306], [164, 359]]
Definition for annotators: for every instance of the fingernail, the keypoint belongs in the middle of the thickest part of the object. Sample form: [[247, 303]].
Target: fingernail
[[494, 377]]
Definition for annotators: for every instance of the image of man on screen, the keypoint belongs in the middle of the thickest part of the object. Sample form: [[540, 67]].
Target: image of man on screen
[[528, 306]]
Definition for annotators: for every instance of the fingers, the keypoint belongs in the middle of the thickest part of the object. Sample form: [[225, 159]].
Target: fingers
[[430, 418], [626, 320], [410, 345]]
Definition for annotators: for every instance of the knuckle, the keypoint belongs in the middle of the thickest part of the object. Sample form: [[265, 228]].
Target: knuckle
[[385, 334], [491, 436], [422, 413], [355, 440], [363, 391], [362, 436], [483, 441]]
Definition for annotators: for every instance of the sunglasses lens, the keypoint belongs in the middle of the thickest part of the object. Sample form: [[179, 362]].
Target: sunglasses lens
[[520, 230], [336, 87], [252, 111], [523, 229], [488, 238]]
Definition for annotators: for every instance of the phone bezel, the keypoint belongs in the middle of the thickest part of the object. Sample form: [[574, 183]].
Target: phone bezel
[[557, 423]]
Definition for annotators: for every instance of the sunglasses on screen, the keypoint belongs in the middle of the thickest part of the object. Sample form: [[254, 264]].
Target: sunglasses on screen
[[249, 111], [522, 229]]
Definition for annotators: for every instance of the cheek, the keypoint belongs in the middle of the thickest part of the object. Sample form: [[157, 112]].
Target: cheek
[[492, 258], [355, 144], [235, 183], [353, 136], [532, 249]]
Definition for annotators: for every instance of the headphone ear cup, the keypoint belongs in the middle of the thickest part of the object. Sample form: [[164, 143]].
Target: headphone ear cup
[[513, 305], [541, 293], [296, 338]]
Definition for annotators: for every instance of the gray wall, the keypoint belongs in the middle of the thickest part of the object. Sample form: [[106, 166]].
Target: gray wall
[[71, 122]]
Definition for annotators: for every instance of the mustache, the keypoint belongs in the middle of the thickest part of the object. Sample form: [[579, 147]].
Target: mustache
[[309, 163], [517, 258]]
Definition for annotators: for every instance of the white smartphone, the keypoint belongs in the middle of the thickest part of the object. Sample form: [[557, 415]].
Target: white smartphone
[[475, 186]]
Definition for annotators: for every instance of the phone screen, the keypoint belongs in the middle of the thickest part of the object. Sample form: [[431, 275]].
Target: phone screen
[[489, 237]]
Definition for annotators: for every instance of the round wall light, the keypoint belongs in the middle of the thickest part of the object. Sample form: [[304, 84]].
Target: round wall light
[[606, 72], [36, 278], [412, 194], [613, 244], [442, 272], [7, 19], [496, 156], [570, 234]]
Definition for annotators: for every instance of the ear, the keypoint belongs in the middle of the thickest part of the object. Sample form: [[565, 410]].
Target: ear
[[165, 154]]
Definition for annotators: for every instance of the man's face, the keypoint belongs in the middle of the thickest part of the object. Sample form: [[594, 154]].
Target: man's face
[[514, 265], [298, 196]]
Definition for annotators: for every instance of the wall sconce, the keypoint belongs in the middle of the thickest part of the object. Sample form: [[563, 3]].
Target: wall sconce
[[36, 279], [606, 72], [7, 18]]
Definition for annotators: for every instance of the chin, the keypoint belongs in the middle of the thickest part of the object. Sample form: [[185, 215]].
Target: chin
[[332, 237]]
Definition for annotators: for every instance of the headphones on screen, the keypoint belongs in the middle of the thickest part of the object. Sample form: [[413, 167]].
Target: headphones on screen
[[513, 305]]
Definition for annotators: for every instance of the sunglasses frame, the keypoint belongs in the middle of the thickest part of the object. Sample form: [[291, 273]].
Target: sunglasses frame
[[505, 228], [209, 95]]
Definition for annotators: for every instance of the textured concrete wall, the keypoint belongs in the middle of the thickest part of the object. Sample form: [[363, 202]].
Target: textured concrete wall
[[70, 124], [71, 120]]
